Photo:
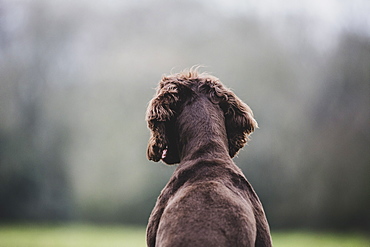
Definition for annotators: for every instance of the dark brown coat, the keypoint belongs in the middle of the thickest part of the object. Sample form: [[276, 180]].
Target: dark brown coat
[[197, 122]]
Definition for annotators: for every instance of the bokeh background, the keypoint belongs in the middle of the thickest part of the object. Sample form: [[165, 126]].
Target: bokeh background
[[76, 77]]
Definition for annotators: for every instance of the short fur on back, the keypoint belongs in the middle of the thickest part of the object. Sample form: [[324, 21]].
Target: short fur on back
[[199, 123]]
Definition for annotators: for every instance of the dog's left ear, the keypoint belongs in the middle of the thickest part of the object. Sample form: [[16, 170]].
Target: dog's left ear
[[161, 111], [239, 119]]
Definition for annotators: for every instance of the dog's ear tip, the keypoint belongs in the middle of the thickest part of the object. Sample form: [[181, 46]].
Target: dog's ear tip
[[151, 152], [153, 158]]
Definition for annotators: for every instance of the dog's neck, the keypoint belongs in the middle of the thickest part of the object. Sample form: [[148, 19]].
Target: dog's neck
[[202, 131]]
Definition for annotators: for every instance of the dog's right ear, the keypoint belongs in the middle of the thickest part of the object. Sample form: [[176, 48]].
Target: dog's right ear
[[161, 111], [240, 122]]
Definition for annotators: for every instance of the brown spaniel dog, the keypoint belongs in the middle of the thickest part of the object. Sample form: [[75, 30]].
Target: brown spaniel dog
[[199, 123]]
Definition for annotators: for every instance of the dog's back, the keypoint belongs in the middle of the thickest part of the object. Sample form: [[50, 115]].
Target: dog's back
[[208, 211]]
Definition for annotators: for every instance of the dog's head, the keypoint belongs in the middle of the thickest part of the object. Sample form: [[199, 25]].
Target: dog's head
[[172, 92]]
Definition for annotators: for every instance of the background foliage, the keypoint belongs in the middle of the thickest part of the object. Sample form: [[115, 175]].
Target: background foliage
[[76, 76]]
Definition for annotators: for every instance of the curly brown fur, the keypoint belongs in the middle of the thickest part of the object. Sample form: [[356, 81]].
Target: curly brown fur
[[197, 122]]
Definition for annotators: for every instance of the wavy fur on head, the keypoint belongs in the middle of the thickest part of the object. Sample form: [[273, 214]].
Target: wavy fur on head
[[173, 93]]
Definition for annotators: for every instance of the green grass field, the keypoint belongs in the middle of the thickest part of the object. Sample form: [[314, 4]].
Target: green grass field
[[91, 235]]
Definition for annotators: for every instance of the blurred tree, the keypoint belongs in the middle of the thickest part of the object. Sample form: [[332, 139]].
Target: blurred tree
[[309, 161], [341, 138], [33, 181]]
